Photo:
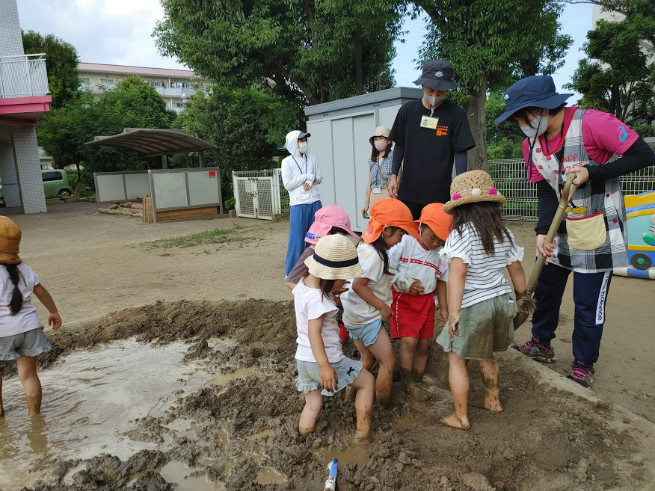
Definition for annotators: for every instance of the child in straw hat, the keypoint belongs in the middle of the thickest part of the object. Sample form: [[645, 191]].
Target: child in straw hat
[[323, 369], [367, 302], [21, 332], [421, 273], [480, 310]]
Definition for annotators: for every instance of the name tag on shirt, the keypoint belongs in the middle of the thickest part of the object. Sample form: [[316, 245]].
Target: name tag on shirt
[[429, 123], [376, 190]]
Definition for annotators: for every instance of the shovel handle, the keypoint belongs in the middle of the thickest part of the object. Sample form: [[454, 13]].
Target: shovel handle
[[567, 192]]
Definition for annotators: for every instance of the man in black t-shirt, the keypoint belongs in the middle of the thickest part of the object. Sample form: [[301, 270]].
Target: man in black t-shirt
[[431, 134]]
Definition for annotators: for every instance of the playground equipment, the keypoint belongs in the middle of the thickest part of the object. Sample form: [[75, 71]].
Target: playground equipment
[[640, 212]]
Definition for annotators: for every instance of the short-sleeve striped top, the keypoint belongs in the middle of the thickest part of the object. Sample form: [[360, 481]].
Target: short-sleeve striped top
[[485, 274]]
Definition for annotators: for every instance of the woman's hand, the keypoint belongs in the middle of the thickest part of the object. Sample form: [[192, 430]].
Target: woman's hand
[[453, 325], [581, 174], [329, 378], [365, 209], [545, 250]]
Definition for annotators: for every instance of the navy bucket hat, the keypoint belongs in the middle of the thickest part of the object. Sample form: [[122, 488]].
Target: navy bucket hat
[[536, 91]]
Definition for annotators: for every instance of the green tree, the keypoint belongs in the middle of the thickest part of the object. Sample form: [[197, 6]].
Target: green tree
[[245, 124], [312, 51], [619, 74], [491, 44], [61, 64], [63, 132]]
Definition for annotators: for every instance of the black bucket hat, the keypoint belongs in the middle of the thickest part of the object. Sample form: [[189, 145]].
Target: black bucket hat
[[437, 75], [536, 91]]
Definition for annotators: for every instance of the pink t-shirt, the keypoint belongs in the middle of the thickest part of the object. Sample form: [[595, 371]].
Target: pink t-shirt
[[603, 135]]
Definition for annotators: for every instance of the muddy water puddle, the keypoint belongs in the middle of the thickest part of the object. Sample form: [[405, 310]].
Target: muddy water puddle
[[91, 398]]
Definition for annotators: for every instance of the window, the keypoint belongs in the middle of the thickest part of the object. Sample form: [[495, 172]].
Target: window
[[51, 176]]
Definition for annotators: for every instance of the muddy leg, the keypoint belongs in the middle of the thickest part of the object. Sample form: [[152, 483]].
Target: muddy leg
[[365, 385], [31, 384], [309, 415], [383, 353], [406, 359], [458, 376], [421, 359], [490, 379], [367, 359]]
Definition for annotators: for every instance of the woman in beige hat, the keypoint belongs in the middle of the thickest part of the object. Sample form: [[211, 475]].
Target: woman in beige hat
[[480, 310], [379, 167], [21, 331]]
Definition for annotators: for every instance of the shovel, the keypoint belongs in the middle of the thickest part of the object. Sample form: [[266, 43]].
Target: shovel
[[526, 305]]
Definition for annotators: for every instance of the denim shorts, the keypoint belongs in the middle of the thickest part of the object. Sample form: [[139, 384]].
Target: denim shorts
[[309, 375], [30, 343], [484, 327], [368, 333]]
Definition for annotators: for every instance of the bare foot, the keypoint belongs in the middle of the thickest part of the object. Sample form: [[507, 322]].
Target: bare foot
[[492, 405], [305, 431], [454, 421], [361, 437]]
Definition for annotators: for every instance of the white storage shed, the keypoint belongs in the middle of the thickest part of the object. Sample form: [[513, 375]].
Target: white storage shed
[[340, 131]]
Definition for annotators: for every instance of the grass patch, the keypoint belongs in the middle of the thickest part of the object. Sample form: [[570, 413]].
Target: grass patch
[[217, 236]]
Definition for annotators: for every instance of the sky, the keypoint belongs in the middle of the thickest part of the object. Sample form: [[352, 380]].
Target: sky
[[120, 32]]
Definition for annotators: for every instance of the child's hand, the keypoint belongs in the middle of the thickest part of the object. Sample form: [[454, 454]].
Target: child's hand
[[416, 288], [443, 312], [54, 321], [453, 325], [385, 312], [329, 378]]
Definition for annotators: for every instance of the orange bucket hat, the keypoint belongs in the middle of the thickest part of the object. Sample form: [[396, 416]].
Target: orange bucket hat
[[389, 212], [10, 235], [437, 219]]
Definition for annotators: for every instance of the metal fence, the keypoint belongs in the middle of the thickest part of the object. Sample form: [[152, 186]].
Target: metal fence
[[23, 76], [509, 178], [260, 193]]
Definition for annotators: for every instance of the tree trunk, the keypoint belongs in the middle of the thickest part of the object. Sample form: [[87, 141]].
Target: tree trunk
[[477, 156]]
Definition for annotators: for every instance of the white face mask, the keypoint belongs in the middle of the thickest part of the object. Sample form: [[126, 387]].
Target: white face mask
[[380, 145], [433, 99], [302, 147], [536, 127]]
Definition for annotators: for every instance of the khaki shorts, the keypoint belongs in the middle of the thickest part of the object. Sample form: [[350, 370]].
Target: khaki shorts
[[484, 327]]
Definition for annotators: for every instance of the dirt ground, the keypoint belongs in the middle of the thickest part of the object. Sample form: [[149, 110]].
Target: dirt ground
[[110, 284]]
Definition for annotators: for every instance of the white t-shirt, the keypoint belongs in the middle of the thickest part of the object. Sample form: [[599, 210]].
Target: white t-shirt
[[485, 277], [356, 312], [26, 318], [415, 262], [310, 303]]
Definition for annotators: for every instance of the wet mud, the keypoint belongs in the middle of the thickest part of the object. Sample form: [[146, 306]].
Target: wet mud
[[238, 429]]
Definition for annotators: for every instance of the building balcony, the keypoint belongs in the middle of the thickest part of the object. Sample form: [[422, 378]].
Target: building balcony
[[23, 76], [23, 89]]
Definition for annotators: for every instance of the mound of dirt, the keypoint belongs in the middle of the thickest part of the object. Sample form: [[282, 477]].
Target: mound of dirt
[[242, 426]]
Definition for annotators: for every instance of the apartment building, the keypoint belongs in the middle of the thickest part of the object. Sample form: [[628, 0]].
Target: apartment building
[[175, 86], [23, 100]]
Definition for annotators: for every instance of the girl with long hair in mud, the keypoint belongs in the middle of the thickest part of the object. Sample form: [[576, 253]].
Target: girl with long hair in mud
[[323, 369], [480, 310], [21, 332], [367, 302]]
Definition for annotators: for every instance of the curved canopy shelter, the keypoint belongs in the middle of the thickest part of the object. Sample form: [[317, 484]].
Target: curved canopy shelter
[[154, 142]]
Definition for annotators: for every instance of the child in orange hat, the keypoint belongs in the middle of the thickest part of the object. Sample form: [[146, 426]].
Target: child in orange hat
[[367, 302], [21, 331], [421, 272]]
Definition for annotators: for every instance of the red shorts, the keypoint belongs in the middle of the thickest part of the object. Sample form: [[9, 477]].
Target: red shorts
[[343, 333], [412, 316]]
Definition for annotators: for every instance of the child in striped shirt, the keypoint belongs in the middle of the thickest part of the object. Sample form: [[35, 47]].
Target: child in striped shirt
[[480, 310]]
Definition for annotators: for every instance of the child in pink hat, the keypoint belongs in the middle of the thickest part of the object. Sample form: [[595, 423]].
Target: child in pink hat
[[328, 220]]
